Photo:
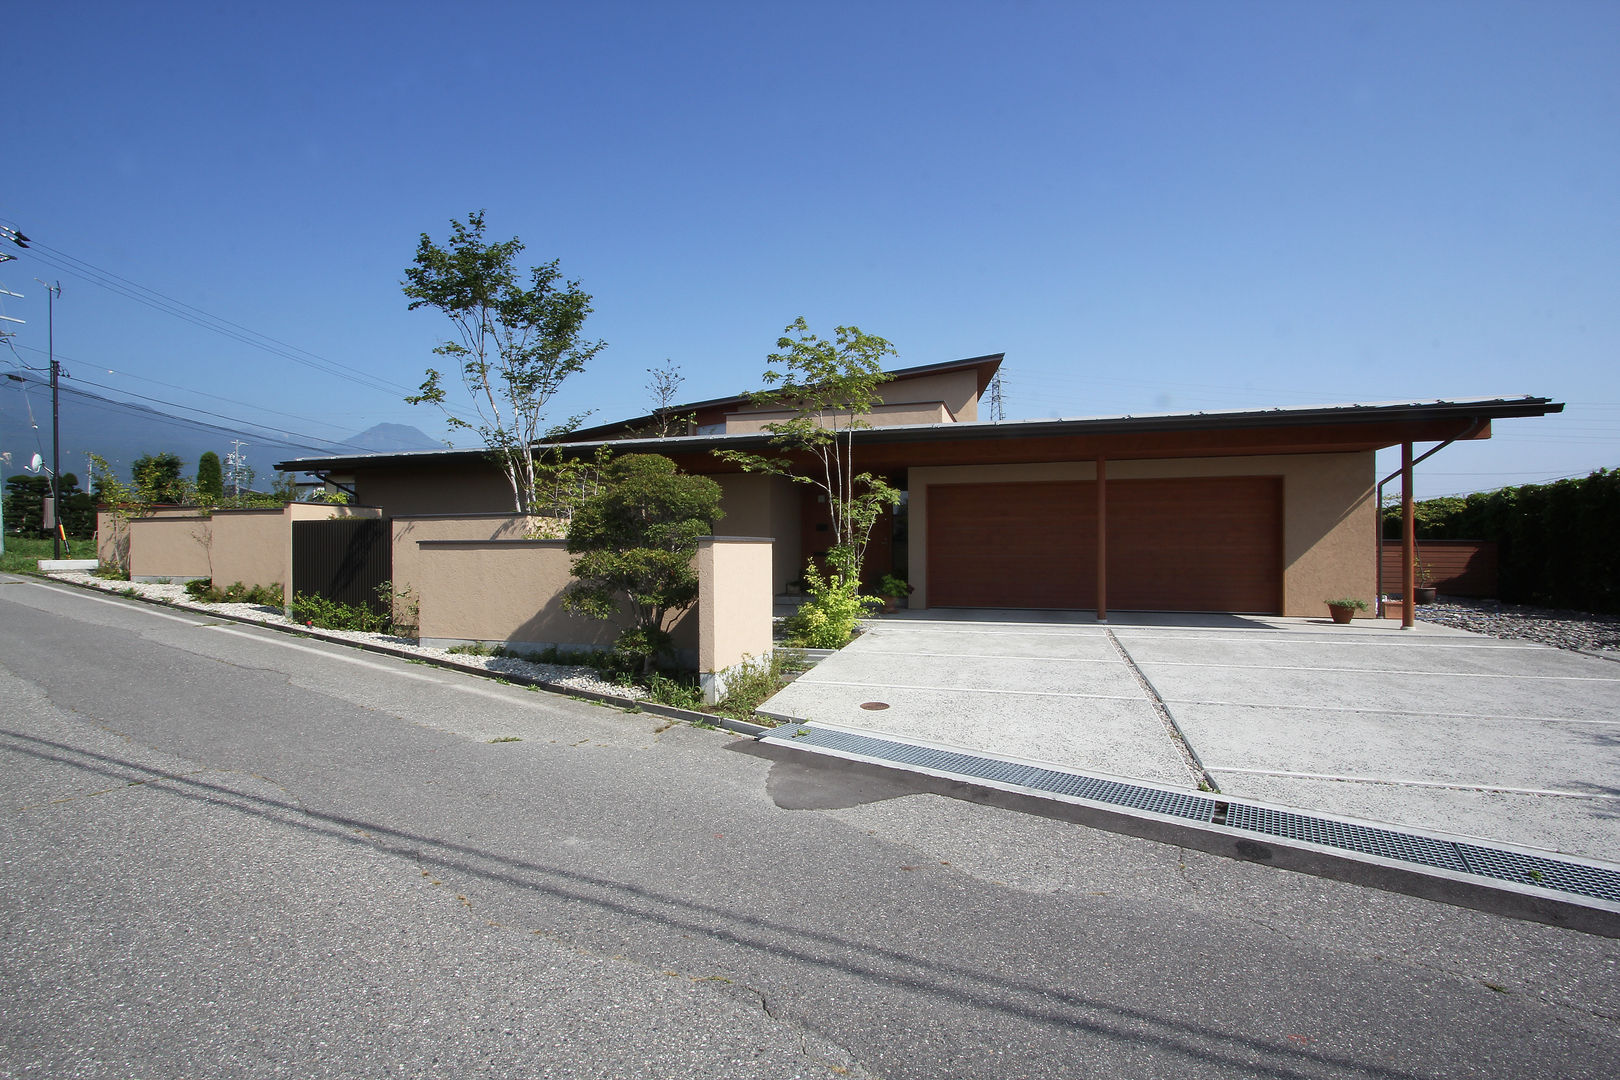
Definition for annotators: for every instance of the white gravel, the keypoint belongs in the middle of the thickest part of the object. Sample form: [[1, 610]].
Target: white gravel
[[573, 676], [1573, 630]]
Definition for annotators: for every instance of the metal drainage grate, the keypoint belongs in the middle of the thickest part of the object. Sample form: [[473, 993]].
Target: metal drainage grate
[[1598, 882], [1191, 806], [1542, 872], [1366, 839]]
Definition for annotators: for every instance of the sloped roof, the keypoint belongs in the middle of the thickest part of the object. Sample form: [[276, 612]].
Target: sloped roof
[[1376, 414]]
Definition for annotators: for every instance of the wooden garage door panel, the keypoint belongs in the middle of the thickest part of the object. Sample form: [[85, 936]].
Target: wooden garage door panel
[[1012, 545], [1195, 544]]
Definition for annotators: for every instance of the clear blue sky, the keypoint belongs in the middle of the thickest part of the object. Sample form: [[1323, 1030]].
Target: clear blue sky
[[1147, 206]]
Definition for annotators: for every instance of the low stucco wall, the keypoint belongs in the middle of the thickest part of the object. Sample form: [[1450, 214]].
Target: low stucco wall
[[250, 546], [506, 592], [509, 592], [1328, 514], [408, 532], [735, 599], [172, 547]]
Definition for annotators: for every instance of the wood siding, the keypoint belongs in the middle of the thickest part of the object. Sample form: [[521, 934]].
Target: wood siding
[[1457, 567]]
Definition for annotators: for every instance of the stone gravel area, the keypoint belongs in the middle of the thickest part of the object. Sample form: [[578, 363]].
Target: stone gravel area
[[1574, 630], [572, 676]]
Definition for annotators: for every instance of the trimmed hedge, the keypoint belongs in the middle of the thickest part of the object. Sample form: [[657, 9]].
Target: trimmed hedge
[[1559, 543]]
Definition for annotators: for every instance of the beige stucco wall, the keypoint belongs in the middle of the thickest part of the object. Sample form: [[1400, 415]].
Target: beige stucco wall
[[765, 506], [1327, 514], [408, 532], [251, 546], [959, 390], [931, 412], [510, 592], [174, 547], [734, 601]]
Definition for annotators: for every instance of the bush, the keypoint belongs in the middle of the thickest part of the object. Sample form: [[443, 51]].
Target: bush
[[753, 682], [828, 619], [235, 593], [312, 610]]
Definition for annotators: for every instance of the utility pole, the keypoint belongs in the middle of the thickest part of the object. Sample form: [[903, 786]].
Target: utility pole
[[53, 291], [998, 410]]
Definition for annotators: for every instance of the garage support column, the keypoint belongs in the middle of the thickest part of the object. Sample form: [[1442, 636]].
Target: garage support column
[[1102, 539], [1408, 539]]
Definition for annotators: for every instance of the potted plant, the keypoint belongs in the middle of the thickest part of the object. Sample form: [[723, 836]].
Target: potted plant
[[1424, 592], [1345, 608], [892, 588]]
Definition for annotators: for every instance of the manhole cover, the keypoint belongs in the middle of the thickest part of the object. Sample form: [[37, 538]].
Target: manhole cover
[[874, 706]]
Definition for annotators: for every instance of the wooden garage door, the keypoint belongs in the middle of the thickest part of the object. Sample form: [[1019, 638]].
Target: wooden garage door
[[1195, 544], [1012, 545], [1192, 544]]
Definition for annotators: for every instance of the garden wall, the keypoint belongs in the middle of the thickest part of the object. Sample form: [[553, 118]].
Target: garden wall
[[509, 593]]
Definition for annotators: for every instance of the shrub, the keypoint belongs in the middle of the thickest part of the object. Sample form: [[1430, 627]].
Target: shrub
[[312, 610], [828, 619], [235, 593], [754, 681]]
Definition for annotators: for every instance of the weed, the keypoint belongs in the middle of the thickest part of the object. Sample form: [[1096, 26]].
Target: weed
[[312, 610], [754, 681], [678, 693], [507, 738], [475, 648], [235, 593]]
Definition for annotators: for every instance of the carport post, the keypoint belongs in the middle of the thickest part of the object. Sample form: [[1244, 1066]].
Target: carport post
[[1102, 539], [1408, 538]]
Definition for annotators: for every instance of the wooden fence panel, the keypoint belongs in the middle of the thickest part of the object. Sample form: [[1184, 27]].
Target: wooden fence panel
[[1456, 567]]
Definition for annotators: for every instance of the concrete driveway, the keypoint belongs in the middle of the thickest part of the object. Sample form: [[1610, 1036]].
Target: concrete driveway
[[1433, 728]]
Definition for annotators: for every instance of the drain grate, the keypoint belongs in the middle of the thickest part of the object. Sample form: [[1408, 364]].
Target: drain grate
[[1368, 840], [1189, 805], [1598, 882], [1542, 872]]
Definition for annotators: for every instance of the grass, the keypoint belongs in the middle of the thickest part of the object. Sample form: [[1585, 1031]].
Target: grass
[[24, 552]]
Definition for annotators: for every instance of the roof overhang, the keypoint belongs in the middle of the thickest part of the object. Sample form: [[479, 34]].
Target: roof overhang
[[1293, 430]]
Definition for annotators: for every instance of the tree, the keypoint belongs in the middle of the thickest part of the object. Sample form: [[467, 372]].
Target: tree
[[828, 386], [635, 541], [210, 479], [516, 345], [158, 480], [25, 504], [663, 383]]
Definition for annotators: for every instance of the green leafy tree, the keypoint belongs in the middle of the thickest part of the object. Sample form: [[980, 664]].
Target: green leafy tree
[[210, 479], [635, 541], [516, 342], [25, 504], [158, 480], [828, 386]]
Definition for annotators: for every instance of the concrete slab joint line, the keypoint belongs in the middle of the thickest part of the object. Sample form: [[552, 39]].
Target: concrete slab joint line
[[1206, 782]]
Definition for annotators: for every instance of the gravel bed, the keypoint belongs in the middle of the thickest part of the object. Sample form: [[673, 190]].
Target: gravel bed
[[572, 676], [1575, 630]]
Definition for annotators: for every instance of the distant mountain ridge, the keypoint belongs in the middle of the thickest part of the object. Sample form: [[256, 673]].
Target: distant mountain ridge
[[121, 432]]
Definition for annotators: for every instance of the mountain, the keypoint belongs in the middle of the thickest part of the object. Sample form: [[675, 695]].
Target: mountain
[[121, 432], [391, 437]]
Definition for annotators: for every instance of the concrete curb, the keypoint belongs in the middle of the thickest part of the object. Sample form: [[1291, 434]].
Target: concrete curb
[[1593, 916]]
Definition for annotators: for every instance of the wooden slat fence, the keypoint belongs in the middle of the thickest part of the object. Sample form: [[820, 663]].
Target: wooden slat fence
[[1457, 567]]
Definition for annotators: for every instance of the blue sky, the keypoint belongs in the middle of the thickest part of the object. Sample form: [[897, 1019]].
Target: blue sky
[[1147, 206]]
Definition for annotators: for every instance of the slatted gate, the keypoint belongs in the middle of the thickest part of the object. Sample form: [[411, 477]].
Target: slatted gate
[[343, 559]]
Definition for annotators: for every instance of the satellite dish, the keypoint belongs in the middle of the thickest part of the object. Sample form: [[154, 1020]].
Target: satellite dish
[[36, 463]]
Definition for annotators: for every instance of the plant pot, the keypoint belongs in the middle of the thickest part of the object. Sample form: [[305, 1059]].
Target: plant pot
[[1395, 609], [1425, 594], [889, 606], [1342, 613]]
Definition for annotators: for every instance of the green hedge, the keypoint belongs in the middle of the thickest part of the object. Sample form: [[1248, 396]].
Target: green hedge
[[1559, 543]]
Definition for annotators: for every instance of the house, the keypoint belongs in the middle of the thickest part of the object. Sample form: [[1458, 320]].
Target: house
[[1266, 511]]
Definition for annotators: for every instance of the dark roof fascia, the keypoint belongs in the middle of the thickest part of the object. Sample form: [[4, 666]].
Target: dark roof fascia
[[1401, 412], [1305, 416], [992, 360]]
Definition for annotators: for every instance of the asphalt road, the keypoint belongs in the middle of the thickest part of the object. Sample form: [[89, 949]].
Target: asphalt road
[[230, 852]]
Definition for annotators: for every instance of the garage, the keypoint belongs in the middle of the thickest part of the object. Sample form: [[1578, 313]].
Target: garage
[[1178, 544]]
